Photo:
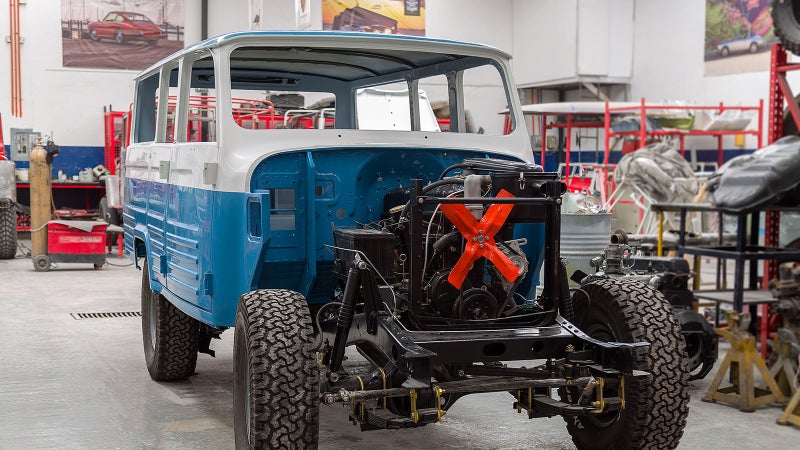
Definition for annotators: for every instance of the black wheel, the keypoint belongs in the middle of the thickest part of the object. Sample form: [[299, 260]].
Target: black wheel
[[119, 38], [171, 338], [275, 384], [786, 22], [42, 263], [725, 51], [8, 229], [93, 35], [655, 411], [753, 47]]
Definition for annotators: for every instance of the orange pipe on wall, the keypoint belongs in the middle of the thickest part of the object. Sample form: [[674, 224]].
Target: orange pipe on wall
[[16, 73], [19, 61], [11, 56]]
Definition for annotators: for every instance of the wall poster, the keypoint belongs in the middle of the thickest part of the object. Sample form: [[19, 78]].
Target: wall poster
[[120, 34], [738, 36], [375, 16]]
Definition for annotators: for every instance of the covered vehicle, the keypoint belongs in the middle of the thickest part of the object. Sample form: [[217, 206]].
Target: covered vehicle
[[123, 26]]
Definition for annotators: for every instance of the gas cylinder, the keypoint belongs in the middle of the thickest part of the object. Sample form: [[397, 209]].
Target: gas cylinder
[[39, 174]]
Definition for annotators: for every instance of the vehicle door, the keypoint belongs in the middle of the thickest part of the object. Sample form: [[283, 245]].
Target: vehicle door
[[106, 26], [189, 203]]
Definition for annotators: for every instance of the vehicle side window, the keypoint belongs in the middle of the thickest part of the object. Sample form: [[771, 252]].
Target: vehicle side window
[[145, 111], [110, 17], [119, 19], [202, 120], [484, 97]]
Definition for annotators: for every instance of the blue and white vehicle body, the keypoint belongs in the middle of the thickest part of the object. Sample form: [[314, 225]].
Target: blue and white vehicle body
[[208, 216], [312, 225]]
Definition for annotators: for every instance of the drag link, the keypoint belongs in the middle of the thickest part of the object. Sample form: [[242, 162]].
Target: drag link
[[474, 385]]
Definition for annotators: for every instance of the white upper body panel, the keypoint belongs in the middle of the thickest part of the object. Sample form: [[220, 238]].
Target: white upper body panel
[[240, 149]]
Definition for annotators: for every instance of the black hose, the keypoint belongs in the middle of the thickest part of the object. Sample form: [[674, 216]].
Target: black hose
[[345, 321]]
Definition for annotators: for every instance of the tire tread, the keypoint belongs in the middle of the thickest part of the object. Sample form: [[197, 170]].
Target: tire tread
[[283, 369], [8, 229], [658, 421]]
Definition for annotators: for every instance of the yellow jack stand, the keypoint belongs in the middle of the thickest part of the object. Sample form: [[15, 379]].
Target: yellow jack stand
[[740, 361], [784, 370], [791, 415]]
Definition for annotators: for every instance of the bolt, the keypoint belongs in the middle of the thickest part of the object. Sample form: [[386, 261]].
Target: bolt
[[570, 348], [362, 265], [419, 200], [333, 376], [461, 373]]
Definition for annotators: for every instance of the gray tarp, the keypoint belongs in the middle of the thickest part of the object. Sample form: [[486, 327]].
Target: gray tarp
[[768, 176], [660, 172]]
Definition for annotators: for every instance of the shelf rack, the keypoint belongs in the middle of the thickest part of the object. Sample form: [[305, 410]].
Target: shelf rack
[[642, 109]]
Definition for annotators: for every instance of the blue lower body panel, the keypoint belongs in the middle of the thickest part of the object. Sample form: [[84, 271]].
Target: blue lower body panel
[[206, 248]]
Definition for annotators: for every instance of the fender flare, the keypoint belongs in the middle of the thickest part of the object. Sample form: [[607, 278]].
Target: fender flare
[[142, 249]]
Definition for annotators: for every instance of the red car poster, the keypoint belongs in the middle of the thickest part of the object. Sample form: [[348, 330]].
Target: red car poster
[[119, 34], [375, 16]]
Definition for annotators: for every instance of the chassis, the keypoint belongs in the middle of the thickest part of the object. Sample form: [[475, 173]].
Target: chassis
[[422, 368]]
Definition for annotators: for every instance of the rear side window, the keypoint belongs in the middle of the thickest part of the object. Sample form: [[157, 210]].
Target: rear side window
[[145, 113]]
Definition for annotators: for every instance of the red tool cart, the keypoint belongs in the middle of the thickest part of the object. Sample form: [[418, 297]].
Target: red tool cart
[[73, 241]]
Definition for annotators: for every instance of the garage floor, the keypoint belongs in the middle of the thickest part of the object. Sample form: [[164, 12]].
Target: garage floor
[[67, 383]]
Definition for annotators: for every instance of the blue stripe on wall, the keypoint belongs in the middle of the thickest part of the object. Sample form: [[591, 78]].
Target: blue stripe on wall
[[71, 159]]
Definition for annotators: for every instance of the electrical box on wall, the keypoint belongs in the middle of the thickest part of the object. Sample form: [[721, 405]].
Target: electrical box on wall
[[22, 142]]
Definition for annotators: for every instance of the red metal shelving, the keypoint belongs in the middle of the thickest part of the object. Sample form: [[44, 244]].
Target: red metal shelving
[[642, 109]]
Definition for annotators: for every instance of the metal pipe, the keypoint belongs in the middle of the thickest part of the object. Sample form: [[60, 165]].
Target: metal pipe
[[473, 187], [203, 20]]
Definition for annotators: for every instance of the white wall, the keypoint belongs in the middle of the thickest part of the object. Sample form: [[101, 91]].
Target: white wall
[[667, 55], [67, 102]]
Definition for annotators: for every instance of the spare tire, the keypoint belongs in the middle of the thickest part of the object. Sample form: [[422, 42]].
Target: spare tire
[[785, 20]]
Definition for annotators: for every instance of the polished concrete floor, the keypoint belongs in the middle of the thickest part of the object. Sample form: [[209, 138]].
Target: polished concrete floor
[[67, 383]]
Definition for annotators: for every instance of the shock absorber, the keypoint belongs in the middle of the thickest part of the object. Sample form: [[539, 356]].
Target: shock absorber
[[345, 321]]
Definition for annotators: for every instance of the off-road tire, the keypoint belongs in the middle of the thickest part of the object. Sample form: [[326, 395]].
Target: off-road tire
[[171, 338], [656, 410], [275, 385], [8, 229], [786, 22]]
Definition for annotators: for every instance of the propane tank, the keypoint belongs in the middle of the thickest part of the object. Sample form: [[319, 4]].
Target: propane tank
[[40, 199]]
